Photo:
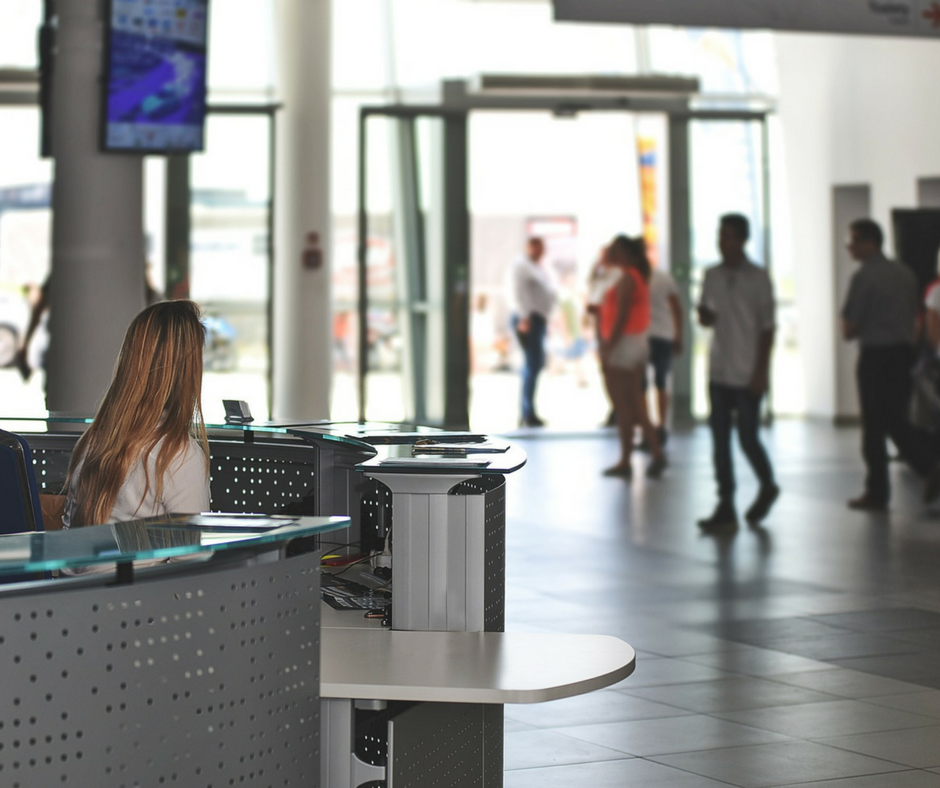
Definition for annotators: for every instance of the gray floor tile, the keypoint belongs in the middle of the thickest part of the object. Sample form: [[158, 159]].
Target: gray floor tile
[[824, 720], [512, 726], [673, 735], [919, 747], [767, 765], [604, 706], [927, 639], [659, 671], [729, 695], [676, 643], [535, 748], [844, 646], [908, 779], [913, 668], [891, 620], [752, 661], [634, 773], [849, 683], [757, 631], [808, 610], [927, 703]]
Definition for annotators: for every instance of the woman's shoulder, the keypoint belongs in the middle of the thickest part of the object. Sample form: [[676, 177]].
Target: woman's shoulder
[[192, 452]]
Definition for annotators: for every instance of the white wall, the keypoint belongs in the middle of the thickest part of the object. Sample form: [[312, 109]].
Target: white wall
[[852, 110]]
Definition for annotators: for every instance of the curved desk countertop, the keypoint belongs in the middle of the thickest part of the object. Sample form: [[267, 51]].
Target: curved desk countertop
[[468, 667]]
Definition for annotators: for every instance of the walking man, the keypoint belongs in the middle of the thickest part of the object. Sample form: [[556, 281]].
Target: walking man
[[738, 304], [534, 297], [880, 311]]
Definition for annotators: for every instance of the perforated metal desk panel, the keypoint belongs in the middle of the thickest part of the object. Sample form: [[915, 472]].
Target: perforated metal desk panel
[[201, 673]]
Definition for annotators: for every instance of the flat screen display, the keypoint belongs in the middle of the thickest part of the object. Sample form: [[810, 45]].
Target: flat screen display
[[155, 86]]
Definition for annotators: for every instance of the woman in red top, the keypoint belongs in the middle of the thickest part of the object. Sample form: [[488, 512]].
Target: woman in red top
[[624, 320]]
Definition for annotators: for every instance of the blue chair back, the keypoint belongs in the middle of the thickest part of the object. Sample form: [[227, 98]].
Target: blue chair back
[[19, 493]]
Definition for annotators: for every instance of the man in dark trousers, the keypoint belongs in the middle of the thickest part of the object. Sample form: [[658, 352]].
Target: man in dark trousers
[[880, 311], [737, 302]]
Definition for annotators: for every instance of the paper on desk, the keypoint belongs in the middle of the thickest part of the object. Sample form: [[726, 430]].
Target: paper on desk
[[485, 447], [450, 462]]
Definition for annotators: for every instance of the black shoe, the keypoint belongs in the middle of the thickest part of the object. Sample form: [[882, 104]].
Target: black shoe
[[724, 516], [657, 466], [762, 503], [533, 421], [621, 471], [932, 485], [865, 503]]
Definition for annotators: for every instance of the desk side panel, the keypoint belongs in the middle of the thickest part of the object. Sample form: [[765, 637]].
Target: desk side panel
[[208, 676], [446, 745]]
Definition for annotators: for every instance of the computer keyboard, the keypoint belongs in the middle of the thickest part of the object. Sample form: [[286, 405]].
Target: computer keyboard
[[342, 594]]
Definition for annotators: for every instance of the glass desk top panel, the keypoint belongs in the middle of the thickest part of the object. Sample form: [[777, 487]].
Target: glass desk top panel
[[153, 539]]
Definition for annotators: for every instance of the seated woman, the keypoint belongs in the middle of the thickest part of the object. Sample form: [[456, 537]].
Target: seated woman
[[146, 453], [624, 320]]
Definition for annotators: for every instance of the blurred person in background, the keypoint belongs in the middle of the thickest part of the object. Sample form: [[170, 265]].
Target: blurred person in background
[[602, 278], [880, 311], [534, 297], [737, 303], [665, 340], [624, 351]]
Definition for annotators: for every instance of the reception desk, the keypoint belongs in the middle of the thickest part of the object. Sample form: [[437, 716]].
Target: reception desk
[[198, 666], [400, 707]]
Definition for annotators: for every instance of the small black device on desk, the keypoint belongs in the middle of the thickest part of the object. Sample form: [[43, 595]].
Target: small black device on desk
[[237, 411]]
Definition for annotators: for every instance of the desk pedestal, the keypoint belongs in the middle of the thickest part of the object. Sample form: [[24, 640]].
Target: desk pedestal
[[449, 551], [412, 745]]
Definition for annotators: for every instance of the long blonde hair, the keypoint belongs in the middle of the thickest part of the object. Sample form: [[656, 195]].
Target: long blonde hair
[[155, 394]]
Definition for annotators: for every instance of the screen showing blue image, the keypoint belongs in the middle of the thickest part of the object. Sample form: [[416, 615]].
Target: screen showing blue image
[[156, 75]]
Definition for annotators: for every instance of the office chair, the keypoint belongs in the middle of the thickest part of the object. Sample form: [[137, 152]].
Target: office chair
[[19, 493]]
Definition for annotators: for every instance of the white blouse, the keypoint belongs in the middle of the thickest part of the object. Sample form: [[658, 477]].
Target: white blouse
[[185, 488]]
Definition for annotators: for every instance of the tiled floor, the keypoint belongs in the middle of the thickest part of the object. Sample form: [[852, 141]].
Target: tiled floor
[[802, 653]]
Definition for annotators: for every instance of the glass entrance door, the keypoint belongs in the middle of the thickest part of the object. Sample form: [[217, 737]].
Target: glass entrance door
[[410, 325]]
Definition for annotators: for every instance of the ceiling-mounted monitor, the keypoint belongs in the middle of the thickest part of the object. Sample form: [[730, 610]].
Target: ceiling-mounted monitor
[[154, 96], [871, 17]]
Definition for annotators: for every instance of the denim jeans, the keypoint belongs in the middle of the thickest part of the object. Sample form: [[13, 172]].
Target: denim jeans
[[533, 348]]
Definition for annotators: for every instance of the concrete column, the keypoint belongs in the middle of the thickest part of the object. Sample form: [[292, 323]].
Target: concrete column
[[97, 283], [302, 322]]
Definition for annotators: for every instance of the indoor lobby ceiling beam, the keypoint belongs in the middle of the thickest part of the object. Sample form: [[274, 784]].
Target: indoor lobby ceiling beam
[[869, 17]]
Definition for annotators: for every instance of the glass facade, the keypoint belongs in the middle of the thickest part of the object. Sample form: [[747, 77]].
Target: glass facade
[[582, 173]]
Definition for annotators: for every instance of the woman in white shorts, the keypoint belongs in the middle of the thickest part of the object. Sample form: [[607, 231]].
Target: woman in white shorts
[[624, 320]]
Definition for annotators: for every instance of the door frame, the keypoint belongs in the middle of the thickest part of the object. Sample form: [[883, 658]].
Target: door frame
[[458, 102]]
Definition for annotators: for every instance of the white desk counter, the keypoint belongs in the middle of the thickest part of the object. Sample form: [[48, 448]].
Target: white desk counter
[[467, 667]]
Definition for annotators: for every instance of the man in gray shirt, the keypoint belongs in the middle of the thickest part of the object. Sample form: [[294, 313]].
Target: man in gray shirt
[[880, 311]]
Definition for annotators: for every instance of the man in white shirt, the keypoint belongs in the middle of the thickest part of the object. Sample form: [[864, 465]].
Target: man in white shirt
[[534, 298], [665, 340], [738, 304]]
